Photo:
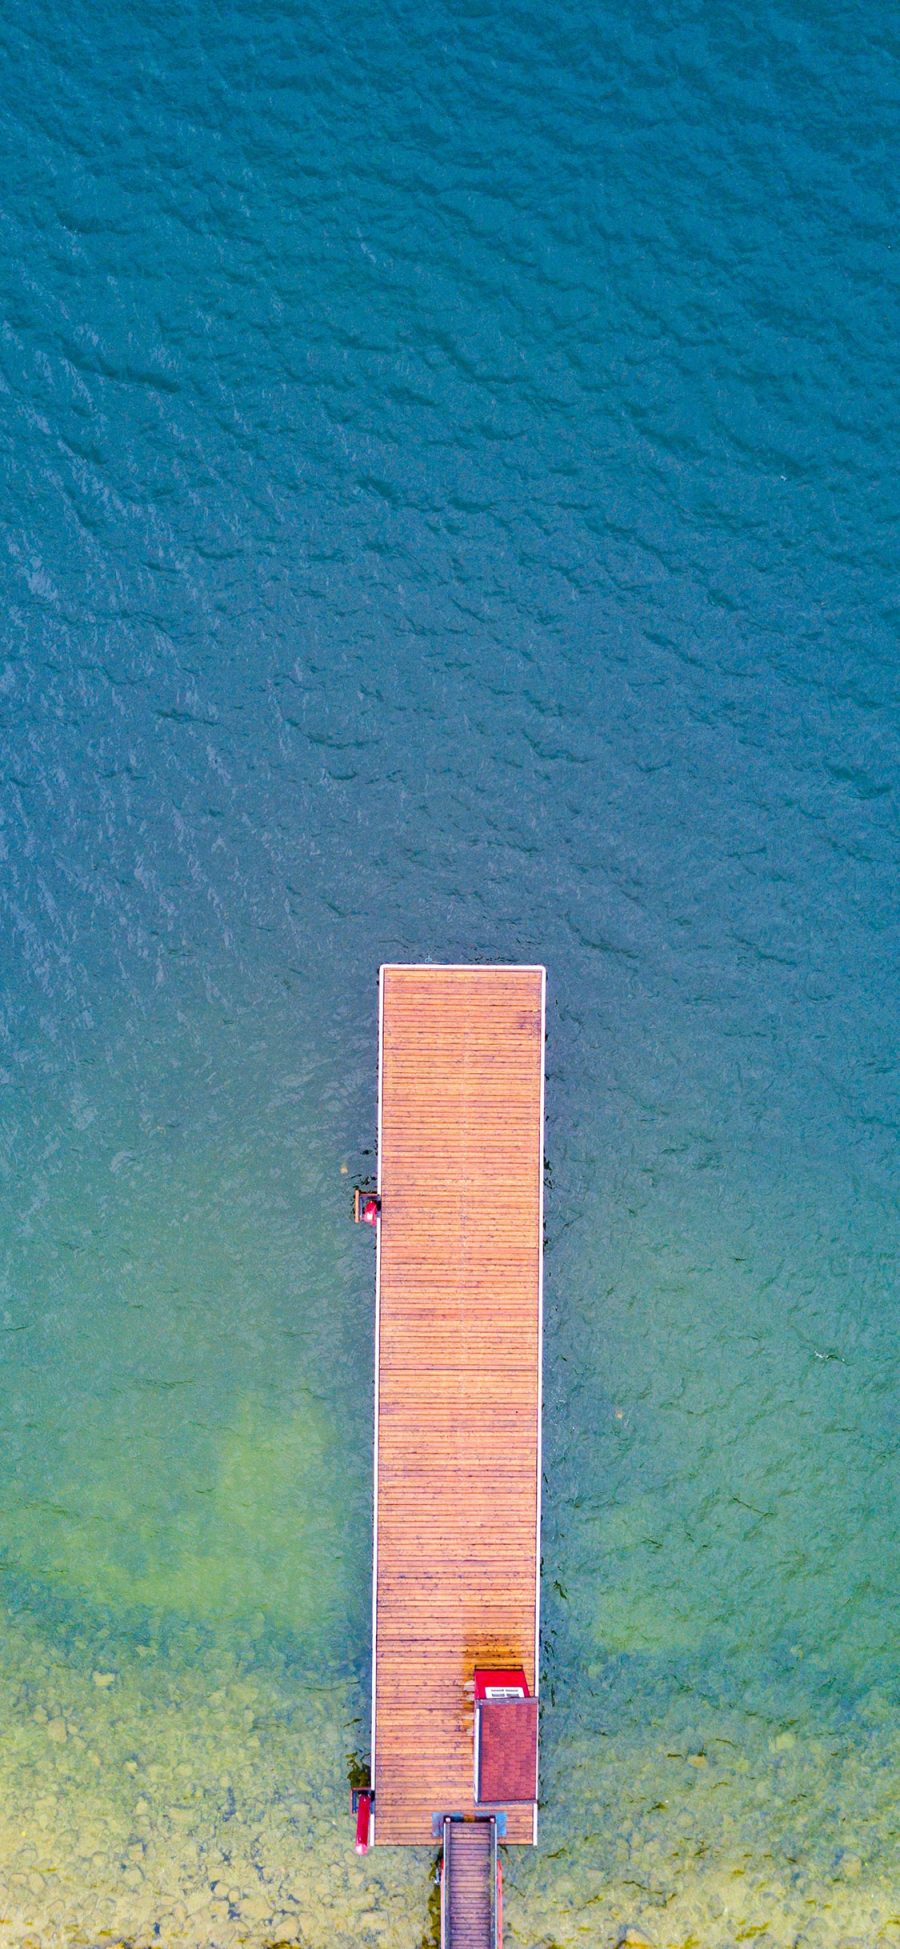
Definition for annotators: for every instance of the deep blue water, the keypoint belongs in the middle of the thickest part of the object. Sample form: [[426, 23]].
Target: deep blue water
[[450, 486]]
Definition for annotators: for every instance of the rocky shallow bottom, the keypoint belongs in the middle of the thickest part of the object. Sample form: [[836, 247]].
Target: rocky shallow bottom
[[147, 1799]]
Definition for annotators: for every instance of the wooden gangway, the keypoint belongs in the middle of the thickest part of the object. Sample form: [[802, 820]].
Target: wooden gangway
[[458, 1381], [469, 1885]]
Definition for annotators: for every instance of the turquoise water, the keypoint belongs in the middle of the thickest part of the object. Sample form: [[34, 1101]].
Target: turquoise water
[[449, 467]]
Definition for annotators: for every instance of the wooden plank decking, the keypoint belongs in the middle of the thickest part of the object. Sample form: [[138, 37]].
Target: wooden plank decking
[[458, 1362]]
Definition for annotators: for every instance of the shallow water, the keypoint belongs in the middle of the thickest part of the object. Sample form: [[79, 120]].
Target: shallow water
[[450, 462]]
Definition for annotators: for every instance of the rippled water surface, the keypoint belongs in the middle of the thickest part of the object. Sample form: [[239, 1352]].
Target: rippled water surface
[[448, 471]]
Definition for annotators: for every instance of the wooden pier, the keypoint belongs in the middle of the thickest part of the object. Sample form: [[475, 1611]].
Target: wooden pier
[[458, 1393]]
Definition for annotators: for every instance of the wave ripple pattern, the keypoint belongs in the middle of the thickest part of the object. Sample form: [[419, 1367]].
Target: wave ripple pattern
[[449, 466]]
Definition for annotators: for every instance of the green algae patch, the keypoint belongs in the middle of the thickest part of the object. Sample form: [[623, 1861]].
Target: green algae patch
[[245, 1522], [647, 1601], [167, 1445]]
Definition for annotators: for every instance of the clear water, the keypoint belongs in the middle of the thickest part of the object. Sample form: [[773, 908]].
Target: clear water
[[449, 467]]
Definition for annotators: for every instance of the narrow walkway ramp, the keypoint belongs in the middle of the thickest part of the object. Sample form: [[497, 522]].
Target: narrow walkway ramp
[[469, 1908]]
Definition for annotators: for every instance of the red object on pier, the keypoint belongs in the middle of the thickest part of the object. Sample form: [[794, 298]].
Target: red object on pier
[[363, 1819], [506, 1732], [508, 1683], [366, 1210]]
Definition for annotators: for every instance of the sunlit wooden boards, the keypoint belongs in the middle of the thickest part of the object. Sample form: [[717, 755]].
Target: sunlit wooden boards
[[458, 1374]]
